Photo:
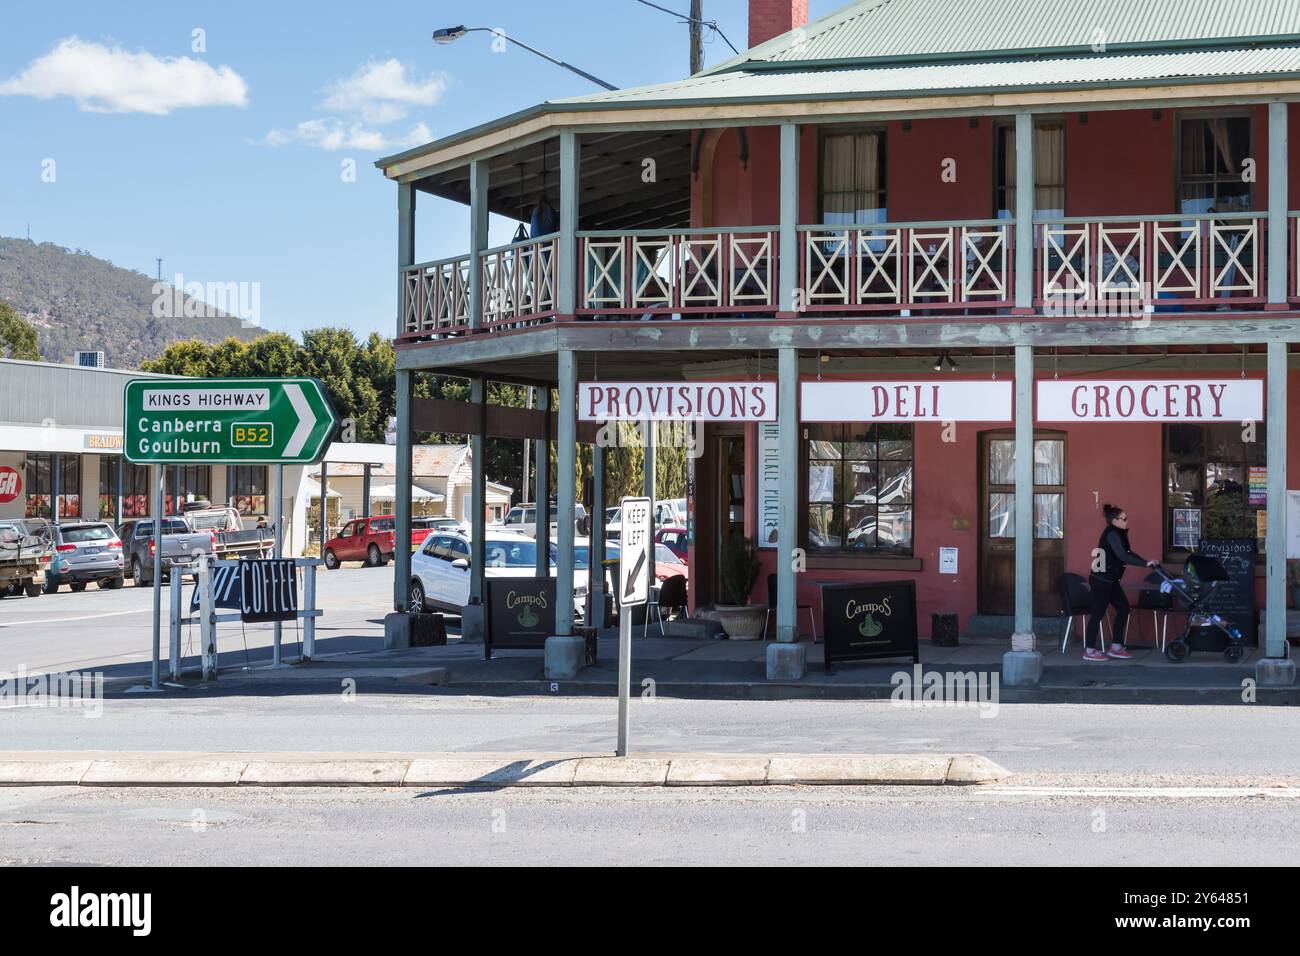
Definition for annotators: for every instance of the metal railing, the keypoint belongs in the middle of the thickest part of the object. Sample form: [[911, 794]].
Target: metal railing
[[684, 270], [902, 266], [1192, 259]]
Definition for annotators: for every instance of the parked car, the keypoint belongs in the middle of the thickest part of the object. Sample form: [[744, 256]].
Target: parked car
[[421, 528], [84, 552], [372, 540], [180, 545], [523, 518], [233, 540], [26, 547], [673, 538], [668, 565], [440, 569]]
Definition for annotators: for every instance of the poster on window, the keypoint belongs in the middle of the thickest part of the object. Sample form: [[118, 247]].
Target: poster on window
[[1257, 485], [769, 483], [1187, 528]]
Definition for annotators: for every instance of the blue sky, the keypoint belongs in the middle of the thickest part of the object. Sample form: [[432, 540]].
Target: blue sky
[[228, 162]]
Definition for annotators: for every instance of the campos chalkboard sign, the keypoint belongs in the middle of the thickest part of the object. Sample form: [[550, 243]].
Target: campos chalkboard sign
[[865, 622], [268, 590], [1234, 598], [520, 612]]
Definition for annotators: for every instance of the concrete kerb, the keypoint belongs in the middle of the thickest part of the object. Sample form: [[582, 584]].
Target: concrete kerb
[[491, 771]]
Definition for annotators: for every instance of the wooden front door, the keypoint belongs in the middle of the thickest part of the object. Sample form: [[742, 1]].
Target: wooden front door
[[997, 548]]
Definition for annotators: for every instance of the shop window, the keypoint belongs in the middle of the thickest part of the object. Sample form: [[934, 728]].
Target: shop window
[[135, 490], [247, 491], [1049, 170], [853, 177], [40, 480], [194, 482], [1210, 156], [1215, 486], [859, 488]]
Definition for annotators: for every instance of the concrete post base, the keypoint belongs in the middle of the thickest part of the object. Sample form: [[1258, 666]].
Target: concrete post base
[[787, 661], [472, 624], [1275, 671], [397, 631], [1022, 668], [564, 657]]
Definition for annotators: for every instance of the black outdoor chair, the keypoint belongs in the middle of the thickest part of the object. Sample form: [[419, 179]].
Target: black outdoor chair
[[1161, 606], [771, 608], [669, 596], [1076, 601]]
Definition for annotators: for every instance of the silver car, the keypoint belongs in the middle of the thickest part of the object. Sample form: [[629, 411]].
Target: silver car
[[83, 552]]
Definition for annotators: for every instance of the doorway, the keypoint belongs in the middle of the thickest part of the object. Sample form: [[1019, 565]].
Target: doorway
[[997, 551], [731, 497]]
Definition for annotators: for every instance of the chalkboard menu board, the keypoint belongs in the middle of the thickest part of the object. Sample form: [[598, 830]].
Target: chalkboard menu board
[[865, 622], [1235, 598], [520, 612], [268, 590]]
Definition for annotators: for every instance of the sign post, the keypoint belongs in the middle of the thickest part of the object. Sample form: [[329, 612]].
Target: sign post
[[634, 567], [223, 421]]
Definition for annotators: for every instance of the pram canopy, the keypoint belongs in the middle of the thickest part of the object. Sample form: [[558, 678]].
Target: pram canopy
[[1203, 569]]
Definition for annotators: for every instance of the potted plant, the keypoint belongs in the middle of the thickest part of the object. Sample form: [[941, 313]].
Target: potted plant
[[741, 620], [1293, 581]]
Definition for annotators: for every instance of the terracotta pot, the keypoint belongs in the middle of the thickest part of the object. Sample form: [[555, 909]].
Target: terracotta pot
[[742, 622]]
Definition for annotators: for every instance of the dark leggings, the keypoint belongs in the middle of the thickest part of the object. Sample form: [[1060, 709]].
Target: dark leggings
[[1106, 593]]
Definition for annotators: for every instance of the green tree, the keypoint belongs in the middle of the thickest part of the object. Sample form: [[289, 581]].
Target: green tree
[[17, 336]]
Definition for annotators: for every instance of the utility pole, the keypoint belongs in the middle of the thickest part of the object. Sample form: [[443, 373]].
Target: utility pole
[[697, 36], [160, 270], [524, 485]]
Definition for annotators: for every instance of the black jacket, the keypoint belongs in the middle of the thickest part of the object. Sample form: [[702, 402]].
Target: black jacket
[[1116, 553]]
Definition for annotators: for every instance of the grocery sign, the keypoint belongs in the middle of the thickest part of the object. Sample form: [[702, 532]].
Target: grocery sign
[[226, 421], [1151, 400]]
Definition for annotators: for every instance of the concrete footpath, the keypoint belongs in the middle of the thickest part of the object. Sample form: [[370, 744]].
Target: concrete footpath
[[484, 770], [732, 670]]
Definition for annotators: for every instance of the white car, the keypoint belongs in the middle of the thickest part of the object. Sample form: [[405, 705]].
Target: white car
[[440, 569]]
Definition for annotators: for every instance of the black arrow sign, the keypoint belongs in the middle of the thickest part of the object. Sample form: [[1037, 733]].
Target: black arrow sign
[[630, 588]]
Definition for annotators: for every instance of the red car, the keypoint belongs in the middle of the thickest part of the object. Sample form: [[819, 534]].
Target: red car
[[674, 538], [372, 540]]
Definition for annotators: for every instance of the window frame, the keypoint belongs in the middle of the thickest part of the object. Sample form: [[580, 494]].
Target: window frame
[[1167, 550], [1182, 116], [826, 132], [1039, 121]]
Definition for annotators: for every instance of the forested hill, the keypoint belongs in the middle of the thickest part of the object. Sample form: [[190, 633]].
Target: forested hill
[[77, 301]]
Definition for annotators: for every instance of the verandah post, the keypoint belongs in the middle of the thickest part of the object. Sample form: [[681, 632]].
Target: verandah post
[[1024, 212], [787, 659], [1023, 664], [1275, 668]]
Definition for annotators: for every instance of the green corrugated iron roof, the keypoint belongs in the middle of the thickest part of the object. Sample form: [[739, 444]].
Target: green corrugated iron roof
[[930, 79], [945, 29]]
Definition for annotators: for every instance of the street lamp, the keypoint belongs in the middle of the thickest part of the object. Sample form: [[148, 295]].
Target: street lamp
[[451, 34]]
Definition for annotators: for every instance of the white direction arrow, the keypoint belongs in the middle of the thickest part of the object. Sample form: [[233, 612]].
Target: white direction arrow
[[306, 420]]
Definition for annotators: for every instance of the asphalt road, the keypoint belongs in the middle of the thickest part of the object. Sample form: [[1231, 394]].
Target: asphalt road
[[970, 826], [112, 630]]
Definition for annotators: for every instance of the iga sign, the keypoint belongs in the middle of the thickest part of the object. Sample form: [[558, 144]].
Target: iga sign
[[677, 401], [906, 401], [11, 484], [1173, 400], [215, 421]]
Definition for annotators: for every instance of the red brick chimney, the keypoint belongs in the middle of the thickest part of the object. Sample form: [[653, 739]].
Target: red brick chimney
[[771, 18]]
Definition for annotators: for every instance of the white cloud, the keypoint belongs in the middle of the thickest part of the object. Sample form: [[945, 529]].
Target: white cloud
[[113, 80], [334, 134], [382, 92]]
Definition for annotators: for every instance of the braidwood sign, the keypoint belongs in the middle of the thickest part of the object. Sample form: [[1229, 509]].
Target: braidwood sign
[[1152, 400], [884, 401], [677, 401]]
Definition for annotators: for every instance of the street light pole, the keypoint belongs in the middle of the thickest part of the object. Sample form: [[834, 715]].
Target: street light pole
[[452, 34]]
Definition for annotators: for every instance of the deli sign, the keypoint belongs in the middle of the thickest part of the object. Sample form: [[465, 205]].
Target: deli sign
[[677, 401], [1152, 400], [886, 401]]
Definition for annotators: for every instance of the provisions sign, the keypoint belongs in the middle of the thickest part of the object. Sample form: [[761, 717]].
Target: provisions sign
[[227, 421]]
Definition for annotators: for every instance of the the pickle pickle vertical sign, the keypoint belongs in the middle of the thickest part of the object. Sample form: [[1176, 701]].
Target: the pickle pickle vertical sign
[[263, 421]]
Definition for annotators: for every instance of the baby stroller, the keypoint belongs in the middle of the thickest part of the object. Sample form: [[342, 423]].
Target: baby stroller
[[1202, 575]]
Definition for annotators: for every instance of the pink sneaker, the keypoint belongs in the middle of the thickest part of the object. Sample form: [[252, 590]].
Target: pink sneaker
[[1119, 652], [1092, 655]]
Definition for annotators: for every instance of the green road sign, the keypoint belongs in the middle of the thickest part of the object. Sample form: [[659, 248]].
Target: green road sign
[[227, 421]]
